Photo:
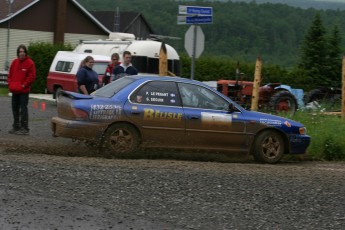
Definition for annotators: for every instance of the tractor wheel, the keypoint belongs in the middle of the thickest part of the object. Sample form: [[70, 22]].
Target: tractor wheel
[[315, 95], [283, 102], [327, 99]]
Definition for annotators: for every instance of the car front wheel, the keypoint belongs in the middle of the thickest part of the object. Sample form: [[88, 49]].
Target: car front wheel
[[121, 139], [268, 147]]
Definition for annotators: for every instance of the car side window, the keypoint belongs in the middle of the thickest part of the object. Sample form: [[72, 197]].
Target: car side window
[[157, 93], [196, 96]]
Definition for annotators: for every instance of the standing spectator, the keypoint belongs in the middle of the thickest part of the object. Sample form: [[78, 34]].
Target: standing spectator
[[21, 75], [125, 68], [87, 78], [109, 71]]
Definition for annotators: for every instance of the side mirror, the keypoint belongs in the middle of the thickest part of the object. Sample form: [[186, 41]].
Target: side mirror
[[232, 108]]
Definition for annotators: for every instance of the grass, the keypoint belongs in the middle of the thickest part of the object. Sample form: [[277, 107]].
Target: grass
[[3, 91], [327, 135]]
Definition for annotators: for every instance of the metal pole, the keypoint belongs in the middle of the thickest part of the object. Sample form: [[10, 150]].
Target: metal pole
[[194, 52], [7, 63]]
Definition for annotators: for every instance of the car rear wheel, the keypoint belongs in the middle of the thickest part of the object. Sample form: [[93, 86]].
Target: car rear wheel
[[121, 139], [268, 147]]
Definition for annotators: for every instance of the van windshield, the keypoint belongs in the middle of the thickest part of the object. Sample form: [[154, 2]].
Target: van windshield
[[149, 65], [100, 67], [112, 88]]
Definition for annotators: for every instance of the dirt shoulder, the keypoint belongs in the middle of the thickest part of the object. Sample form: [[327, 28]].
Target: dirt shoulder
[[40, 139]]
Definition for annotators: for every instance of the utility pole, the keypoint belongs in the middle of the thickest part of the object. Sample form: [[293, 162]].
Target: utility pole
[[256, 85], [343, 91], [7, 63], [117, 20]]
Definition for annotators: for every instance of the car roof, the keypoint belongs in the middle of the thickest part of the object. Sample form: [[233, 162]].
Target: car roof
[[165, 78]]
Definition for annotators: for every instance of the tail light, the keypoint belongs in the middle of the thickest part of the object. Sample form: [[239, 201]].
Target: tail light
[[79, 113]]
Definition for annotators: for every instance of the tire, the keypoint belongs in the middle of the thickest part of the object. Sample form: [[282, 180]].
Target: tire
[[57, 93], [329, 100], [283, 101], [315, 95], [268, 147], [121, 139]]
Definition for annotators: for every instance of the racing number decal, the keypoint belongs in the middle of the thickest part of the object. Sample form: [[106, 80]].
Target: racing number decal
[[105, 112]]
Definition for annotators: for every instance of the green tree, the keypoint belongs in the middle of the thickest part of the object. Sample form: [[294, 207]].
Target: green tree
[[334, 58], [43, 53], [314, 53]]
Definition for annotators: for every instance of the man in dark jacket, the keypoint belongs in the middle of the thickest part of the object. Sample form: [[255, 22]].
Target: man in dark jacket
[[21, 75], [126, 67]]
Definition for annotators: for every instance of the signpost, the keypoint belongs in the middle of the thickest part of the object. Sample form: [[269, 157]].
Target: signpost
[[194, 37], [189, 42], [194, 44], [189, 20], [197, 10]]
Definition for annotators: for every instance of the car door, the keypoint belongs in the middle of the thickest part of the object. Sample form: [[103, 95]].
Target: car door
[[209, 124], [156, 109]]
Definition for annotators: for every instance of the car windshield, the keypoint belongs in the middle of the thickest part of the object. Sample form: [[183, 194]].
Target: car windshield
[[114, 87]]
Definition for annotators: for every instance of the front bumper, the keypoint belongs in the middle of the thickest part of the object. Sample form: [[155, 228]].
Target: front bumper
[[299, 144], [81, 130]]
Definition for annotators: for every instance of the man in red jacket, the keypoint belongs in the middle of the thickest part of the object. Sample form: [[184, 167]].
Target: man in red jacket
[[21, 75], [109, 71]]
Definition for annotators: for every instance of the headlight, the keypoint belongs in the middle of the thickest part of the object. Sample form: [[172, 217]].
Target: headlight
[[303, 130]]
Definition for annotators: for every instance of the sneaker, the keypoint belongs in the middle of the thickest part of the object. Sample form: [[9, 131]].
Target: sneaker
[[13, 131], [22, 131]]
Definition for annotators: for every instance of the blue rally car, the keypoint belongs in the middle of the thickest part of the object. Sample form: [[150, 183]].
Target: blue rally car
[[173, 112]]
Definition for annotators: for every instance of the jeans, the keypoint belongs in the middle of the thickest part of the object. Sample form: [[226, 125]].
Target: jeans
[[20, 111]]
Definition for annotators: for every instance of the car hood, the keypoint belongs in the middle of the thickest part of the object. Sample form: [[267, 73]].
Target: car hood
[[269, 120]]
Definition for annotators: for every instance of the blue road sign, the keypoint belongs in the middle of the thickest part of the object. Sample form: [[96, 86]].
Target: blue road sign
[[189, 20], [196, 10]]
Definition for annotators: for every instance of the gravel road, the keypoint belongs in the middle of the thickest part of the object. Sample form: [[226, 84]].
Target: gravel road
[[52, 183]]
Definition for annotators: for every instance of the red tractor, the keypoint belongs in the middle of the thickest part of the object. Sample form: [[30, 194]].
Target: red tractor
[[273, 97]]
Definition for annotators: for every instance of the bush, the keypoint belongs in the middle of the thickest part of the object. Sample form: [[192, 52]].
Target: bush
[[42, 54], [210, 68]]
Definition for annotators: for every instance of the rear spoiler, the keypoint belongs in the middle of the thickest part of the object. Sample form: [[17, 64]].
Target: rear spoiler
[[74, 95]]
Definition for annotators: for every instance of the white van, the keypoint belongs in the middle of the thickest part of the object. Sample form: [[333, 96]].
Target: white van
[[63, 70], [145, 53]]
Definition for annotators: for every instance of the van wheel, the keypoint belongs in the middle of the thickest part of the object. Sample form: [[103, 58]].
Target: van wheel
[[57, 93]]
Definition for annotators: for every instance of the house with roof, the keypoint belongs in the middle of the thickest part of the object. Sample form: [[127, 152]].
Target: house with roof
[[125, 22], [55, 21]]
